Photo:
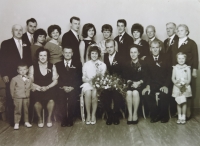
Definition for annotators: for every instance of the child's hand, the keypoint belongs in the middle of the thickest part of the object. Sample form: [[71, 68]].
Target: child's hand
[[44, 88], [178, 85]]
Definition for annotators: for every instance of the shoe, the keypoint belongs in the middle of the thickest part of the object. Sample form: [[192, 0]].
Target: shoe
[[135, 122], [154, 120], [178, 121], [40, 125], [16, 126], [88, 122], [49, 125], [116, 119], [27, 124], [164, 120], [63, 123], [109, 120], [183, 121], [93, 122], [70, 123]]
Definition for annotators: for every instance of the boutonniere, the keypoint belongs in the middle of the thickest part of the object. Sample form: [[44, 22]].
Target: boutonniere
[[184, 43], [122, 40], [158, 64], [139, 44], [72, 66], [139, 69], [24, 45], [172, 43], [48, 70], [185, 70], [97, 65], [114, 63]]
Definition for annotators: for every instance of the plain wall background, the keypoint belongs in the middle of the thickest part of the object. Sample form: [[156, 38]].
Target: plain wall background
[[99, 12]]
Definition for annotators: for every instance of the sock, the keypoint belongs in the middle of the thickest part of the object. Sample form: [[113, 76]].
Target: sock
[[179, 116]]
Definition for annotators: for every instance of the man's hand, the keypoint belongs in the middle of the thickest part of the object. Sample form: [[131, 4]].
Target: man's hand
[[6, 79], [164, 89], [147, 89]]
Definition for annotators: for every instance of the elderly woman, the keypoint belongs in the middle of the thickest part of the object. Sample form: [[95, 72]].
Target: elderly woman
[[107, 33], [39, 41], [143, 46], [88, 34], [93, 67], [133, 72], [44, 76], [54, 46], [188, 47]]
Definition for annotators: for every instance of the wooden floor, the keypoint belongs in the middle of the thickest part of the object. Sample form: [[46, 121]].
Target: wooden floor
[[143, 134]]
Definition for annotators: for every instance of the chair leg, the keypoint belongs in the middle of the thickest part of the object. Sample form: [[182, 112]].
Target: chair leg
[[43, 115], [143, 111]]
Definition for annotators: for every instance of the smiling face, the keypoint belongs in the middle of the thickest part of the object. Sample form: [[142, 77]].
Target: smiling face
[[67, 53], [182, 32], [17, 31], [43, 57], [134, 53], [150, 32], [91, 32], [136, 34], [55, 34], [75, 25], [41, 39], [106, 34], [94, 55], [170, 29], [110, 47], [22, 70], [181, 59], [121, 27], [31, 27], [155, 49]]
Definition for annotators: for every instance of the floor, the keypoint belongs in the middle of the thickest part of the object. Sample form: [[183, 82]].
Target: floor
[[142, 134]]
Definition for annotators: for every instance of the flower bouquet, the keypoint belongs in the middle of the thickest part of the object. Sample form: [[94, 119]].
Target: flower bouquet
[[181, 99]]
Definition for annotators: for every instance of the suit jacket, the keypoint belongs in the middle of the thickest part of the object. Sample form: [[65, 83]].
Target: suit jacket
[[190, 49], [69, 39], [73, 77], [116, 67], [124, 47], [26, 39], [157, 74], [10, 57]]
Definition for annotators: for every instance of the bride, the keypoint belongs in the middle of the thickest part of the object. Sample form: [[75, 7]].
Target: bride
[[93, 67]]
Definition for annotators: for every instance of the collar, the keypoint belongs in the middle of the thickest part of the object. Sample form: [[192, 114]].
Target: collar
[[172, 37], [17, 41], [112, 54], [156, 57], [29, 34], [74, 32], [152, 38], [122, 34], [183, 39], [69, 62]]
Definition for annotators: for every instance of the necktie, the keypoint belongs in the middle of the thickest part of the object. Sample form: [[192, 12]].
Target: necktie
[[168, 43], [20, 48], [67, 66], [120, 38], [32, 40]]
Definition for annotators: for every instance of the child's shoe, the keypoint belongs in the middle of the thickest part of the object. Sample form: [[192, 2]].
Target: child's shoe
[[178, 121], [27, 124], [40, 125], [183, 121], [16, 127]]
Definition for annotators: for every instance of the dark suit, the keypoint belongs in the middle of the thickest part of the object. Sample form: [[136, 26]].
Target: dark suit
[[70, 40], [158, 74], [124, 47], [72, 77], [26, 39], [9, 59], [108, 95]]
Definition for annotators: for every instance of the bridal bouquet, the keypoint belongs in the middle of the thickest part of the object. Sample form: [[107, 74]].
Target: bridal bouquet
[[181, 99], [109, 82]]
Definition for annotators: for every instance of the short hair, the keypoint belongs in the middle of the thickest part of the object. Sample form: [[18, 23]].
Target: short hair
[[22, 64], [185, 26], [94, 49], [52, 28], [38, 32], [134, 46], [107, 27], [181, 53], [86, 27], [155, 42], [110, 40], [137, 27], [74, 18], [31, 20], [41, 49], [122, 21], [151, 26], [171, 23], [67, 47]]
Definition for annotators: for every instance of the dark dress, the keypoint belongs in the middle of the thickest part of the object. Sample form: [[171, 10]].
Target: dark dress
[[45, 80], [87, 44], [143, 47]]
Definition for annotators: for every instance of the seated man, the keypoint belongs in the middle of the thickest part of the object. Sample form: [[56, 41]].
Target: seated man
[[69, 82], [112, 61], [158, 77]]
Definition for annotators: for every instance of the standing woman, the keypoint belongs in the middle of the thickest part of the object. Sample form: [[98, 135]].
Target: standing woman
[[45, 77], [133, 73], [88, 34], [93, 67], [54, 46], [188, 47], [143, 46], [39, 41], [107, 32]]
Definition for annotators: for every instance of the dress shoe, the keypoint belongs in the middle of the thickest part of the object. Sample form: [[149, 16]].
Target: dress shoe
[[154, 120], [49, 124], [88, 122], [16, 127], [116, 120], [70, 123], [64, 123], [27, 124], [129, 122], [183, 121], [164, 120], [135, 122], [178, 121], [109, 121], [93, 122], [40, 125]]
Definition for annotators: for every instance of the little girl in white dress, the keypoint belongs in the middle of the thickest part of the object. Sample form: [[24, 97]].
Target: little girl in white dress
[[181, 77]]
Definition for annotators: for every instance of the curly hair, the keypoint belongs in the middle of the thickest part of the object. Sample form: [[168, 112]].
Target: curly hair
[[86, 27], [52, 28], [39, 32], [137, 27]]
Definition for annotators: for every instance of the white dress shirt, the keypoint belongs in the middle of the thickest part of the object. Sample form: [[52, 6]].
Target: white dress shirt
[[111, 58], [180, 41], [30, 37], [69, 62], [171, 38], [155, 57], [75, 33], [152, 39], [121, 35], [19, 46]]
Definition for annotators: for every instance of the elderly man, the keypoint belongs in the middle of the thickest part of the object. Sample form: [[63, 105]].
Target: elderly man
[[158, 77], [151, 34], [12, 52]]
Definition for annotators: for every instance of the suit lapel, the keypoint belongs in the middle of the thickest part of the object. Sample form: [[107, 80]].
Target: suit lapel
[[15, 48], [74, 36]]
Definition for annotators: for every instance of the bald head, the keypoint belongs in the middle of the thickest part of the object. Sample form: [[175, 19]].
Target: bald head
[[17, 31]]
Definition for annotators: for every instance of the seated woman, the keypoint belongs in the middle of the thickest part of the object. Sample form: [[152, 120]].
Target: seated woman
[[107, 32], [137, 31], [88, 34], [44, 76], [133, 72], [93, 67], [54, 46], [39, 41]]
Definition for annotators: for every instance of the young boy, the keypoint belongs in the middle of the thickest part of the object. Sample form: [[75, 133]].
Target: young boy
[[20, 91]]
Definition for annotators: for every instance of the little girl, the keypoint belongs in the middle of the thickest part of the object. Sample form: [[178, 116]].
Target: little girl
[[181, 77]]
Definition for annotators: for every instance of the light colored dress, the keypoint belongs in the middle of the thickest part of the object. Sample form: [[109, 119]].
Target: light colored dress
[[55, 52], [181, 73]]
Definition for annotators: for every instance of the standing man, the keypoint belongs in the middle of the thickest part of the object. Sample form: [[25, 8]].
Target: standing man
[[69, 81], [12, 52], [124, 41], [31, 25], [158, 75], [71, 38], [151, 34]]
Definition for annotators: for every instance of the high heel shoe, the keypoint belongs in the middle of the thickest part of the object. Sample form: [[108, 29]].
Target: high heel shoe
[[135, 122], [88, 122], [93, 122], [49, 124], [40, 125]]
